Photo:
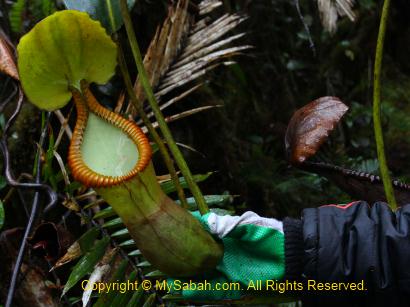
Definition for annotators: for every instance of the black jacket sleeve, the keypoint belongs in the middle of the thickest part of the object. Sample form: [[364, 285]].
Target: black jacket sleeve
[[354, 242]]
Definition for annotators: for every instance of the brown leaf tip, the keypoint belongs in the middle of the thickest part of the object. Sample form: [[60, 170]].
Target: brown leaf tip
[[310, 127]]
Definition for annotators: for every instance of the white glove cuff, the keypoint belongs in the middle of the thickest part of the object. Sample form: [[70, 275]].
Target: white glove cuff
[[222, 225]]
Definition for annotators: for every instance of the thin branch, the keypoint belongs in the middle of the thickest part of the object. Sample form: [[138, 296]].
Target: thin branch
[[161, 146], [183, 166], [305, 25], [384, 170], [6, 158], [30, 223], [173, 100]]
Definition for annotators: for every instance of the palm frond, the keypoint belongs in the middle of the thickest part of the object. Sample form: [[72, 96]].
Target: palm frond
[[186, 47]]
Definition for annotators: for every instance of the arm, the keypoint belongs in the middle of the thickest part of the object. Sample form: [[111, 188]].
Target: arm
[[333, 243], [351, 243]]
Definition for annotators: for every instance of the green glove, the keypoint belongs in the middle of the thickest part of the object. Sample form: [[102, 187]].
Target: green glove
[[253, 252]]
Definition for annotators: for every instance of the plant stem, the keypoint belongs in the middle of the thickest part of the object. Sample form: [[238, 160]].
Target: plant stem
[[33, 214], [183, 166], [161, 146], [384, 170]]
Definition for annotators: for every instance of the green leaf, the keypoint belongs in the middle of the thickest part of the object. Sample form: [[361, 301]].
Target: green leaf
[[106, 11], [87, 240], [156, 274], [144, 264], [137, 252], [104, 213], [86, 263], [106, 298], [1, 215], [40, 9], [128, 243], [168, 186], [72, 187], [211, 201], [49, 173], [79, 247], [150, 300], [123, 298], [47, 7], [136, 298], [2, 121], [114, 222], [3, 182], [120, 233], [16, 15], [60, 51]]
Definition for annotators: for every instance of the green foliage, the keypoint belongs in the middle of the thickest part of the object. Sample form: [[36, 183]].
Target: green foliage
[[41, 9], [3, 182], [16, 15], [86, 264], [130, 298], [169, 186], [59, 52], [211, 201], [135, 300], [1, 215], [106, 11], [87, 240], [49, 174], [47, 7], [113, 223], [122, 299], [23, 11], [244, 140], [150, 301], [106, 298], [104, 213]]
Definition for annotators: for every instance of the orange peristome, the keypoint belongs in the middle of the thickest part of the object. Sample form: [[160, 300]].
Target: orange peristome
[[85, 104]]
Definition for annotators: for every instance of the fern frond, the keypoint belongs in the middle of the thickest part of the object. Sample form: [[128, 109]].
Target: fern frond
[[16, 15], [47, 7], [186, 47], [39, 9]]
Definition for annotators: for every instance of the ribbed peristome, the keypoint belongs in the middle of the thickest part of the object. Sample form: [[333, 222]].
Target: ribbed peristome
[[85, 103]]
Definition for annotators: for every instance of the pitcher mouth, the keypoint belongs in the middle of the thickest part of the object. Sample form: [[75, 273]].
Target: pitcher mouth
[[87, 104]]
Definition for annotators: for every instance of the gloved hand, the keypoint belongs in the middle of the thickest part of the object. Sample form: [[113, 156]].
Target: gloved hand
[[253, 251]]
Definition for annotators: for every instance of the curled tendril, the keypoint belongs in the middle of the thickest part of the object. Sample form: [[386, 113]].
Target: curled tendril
[[6, 156], [15, 183]]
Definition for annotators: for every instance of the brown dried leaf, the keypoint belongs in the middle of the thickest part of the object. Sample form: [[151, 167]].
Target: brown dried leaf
[[181, 115], [163, 178], [172, 101], [73, 252], [49, 241], [32, 289], [71, 204], [207, 6], [165, 45], [330, 10], [310, 126], [7, 60]]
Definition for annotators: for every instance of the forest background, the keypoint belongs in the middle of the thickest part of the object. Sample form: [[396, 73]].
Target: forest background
[[294, 59]]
